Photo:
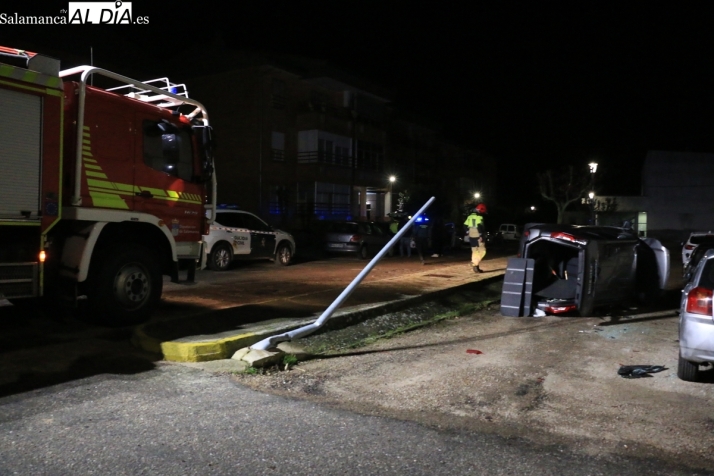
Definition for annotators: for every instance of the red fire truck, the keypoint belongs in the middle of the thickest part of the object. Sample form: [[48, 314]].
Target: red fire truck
[[103, 191]]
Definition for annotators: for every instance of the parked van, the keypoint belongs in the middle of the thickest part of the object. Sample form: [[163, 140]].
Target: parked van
[[509, 231]]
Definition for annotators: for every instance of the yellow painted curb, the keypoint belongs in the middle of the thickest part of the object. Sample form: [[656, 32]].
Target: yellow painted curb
[[175, 351], [204, 351]]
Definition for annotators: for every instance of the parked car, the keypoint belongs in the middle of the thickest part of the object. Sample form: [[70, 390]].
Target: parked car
[[695, 257], [361, 238], [237, 234], [579, 268], [493, 239], [510, 232], [694, 239], [696, 320]]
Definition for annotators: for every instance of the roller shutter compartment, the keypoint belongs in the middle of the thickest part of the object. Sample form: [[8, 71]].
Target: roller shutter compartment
[[20, 145]]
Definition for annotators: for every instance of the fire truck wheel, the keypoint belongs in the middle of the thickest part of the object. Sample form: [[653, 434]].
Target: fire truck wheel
[[283, 256], [220, 257], [128, 287]]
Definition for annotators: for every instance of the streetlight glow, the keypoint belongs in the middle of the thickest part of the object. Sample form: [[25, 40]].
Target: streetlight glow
[[392, 179], [477, 195], [593, 167], [591, 195]]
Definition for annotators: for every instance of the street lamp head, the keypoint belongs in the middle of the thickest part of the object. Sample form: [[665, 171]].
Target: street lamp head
[[593, 167], [477, 195], [392, 179], [591, 195], [532, 208]]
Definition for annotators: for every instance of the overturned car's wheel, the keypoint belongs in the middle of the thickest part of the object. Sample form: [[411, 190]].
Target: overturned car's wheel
[[363, 252], [686, 370]]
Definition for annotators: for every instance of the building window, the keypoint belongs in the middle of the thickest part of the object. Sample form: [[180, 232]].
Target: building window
[[278, 146], [323, 147], [369, 155], [320, 101], [279, 200], [326, 201], [279, 95]]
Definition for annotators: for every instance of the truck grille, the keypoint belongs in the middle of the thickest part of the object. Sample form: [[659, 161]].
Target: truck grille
[[19, 280]]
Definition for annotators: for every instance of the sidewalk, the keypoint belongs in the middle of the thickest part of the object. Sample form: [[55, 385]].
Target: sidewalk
[[219, 334]]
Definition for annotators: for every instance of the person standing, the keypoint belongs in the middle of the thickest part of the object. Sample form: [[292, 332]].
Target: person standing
[[438, 232], [422, 232], [405, 242], [393, 229], [474, 222]]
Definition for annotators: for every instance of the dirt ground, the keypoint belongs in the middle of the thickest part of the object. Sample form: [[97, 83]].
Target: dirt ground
[[550, 380]]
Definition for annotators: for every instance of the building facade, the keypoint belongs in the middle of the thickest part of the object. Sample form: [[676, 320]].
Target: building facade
[[297, 144], [675, 199]]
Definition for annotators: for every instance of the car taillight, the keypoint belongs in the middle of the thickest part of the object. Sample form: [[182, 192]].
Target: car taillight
[[526, 234], [689, 247], [699, 301], [355, 239], [560, 309], [563, 236]]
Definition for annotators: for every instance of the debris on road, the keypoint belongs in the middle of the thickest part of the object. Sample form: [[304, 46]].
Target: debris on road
[[639, 371]]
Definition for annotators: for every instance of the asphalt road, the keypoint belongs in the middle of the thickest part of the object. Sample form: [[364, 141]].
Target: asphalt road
[[174, 420], [78, 399]]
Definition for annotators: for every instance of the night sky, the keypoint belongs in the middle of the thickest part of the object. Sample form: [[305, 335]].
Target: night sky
[[533, 84]]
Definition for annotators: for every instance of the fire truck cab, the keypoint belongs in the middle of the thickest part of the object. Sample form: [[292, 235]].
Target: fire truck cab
[[103, 190]]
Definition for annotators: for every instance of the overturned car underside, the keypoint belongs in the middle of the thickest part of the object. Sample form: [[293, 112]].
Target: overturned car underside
[[569, 268]]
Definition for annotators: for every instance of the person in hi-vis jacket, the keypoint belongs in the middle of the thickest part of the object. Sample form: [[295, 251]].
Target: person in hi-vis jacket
[[474, 222]]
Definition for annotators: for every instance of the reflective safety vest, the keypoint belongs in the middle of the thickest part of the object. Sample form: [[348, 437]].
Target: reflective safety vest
[[473, 221]]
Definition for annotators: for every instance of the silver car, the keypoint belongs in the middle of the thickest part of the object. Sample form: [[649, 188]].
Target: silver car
[[360, 238], [695, 238], [696, 321]]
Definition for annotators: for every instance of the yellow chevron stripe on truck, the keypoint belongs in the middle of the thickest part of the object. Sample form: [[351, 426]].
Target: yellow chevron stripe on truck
[[22, 74], [128, 190], [107, 194]]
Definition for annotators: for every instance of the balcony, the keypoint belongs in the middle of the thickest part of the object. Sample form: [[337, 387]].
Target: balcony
[[326, 158], [366, 162]]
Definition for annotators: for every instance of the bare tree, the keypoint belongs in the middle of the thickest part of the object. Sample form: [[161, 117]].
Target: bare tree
[[563, 187]]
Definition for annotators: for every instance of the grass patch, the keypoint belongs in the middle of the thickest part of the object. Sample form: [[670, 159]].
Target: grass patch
[[462, 309], [289, 360]]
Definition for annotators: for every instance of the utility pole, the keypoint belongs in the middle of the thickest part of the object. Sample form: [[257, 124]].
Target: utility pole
[[353, 204]]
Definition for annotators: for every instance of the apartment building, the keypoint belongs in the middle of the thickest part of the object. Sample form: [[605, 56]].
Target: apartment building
[[298, 142]]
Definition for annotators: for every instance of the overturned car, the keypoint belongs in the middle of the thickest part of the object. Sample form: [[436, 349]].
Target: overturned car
[[571, 268]]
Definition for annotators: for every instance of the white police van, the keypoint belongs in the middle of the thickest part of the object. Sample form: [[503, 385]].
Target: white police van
[[237, 234]]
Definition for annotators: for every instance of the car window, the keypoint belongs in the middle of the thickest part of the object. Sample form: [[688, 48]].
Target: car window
[[699, 253], [254, 223], [698, 239], [707, 278], [232, 220], [343, 228], [376, 230], [364, 228]]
